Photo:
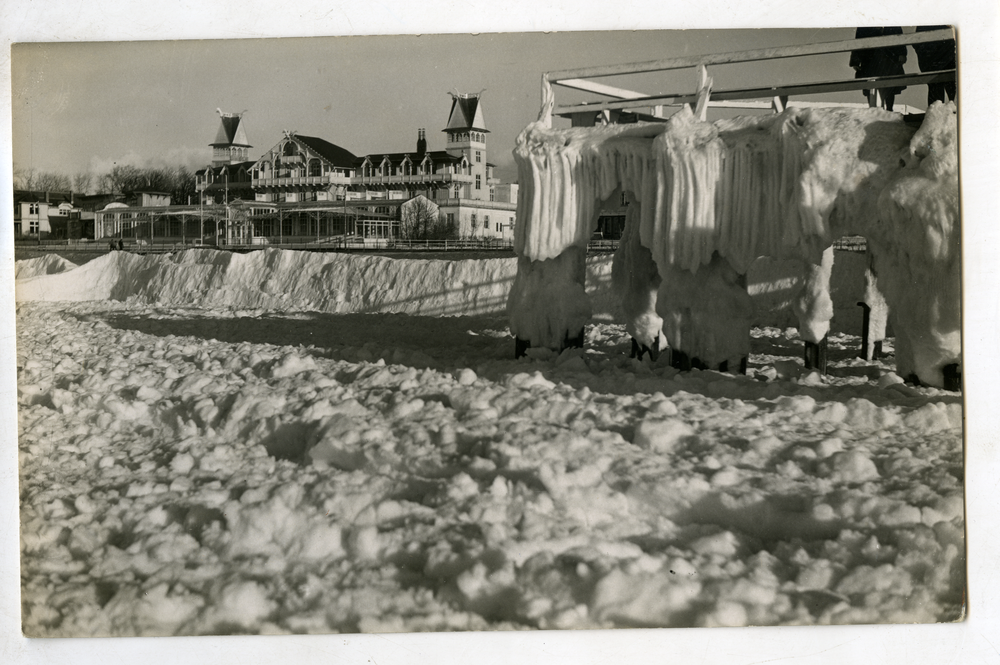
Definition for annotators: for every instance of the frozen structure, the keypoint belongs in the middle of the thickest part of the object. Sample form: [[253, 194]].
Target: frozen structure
[[710, 198]]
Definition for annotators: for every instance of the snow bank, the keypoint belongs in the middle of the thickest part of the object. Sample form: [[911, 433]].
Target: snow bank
[[125, 276], [42, 265], [285, 280]]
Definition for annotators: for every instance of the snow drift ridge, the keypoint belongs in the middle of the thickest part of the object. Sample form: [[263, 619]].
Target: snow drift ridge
[[284, 280]]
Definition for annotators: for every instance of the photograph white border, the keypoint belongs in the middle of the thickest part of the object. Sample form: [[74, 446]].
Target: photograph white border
[[973, 640]]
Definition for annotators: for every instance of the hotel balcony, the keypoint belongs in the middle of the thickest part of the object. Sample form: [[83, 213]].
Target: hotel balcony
[[413, 180], [299, 181]]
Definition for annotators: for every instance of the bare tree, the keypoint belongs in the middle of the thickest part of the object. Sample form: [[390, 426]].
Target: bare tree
[[122, 179], [40, 181], [418, 219], [24, 178], [30, 179], [82, 181], [184, 186], [126, 179]]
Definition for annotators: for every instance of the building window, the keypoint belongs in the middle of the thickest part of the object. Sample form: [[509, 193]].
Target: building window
[[492, 194], [32, 208], [479, 157], [33, 226], [486, 221], [478, 181], [451, 219], [290, 149], [473, 222], [499, 227], [315, 168]]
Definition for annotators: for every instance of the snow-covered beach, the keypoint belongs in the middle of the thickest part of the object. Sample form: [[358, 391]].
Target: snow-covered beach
[[303, 443]]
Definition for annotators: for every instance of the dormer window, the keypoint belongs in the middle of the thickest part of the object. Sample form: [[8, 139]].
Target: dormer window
[[290, 149]]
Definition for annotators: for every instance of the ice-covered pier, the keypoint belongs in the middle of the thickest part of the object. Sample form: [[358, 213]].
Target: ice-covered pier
[[709, 198]]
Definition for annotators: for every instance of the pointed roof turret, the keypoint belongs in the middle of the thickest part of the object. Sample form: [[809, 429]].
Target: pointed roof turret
[[466, 113], [231, 131]]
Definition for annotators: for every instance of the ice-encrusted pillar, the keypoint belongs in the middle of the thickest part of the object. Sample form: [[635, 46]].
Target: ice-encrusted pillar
[[706, 316], [548, 305], [876, 313], [564, 175], [916, 244], [636, 280], [814, 308]]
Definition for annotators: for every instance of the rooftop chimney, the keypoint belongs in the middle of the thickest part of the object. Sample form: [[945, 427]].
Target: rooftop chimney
[[421, 142]]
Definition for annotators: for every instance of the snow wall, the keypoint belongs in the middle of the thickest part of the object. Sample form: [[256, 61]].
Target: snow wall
[[713, 197], [284, 280]]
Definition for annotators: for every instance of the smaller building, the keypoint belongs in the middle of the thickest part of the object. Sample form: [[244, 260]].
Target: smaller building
[[45, 215]]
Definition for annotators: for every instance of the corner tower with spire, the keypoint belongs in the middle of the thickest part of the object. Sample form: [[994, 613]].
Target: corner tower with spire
[[466, 131], [231, 144]]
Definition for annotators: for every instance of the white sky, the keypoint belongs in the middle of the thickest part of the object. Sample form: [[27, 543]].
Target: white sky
[[176, 116], [86, 106]]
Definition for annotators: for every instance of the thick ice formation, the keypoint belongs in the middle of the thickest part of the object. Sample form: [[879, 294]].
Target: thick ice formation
[[783, 186], [708, 315], [917, 248], [813, 305], [564, 174], [636, 281], [547, 300], [777, 185], [878, 308]]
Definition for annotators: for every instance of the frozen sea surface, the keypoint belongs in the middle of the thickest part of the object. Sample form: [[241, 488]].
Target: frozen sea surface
[[186, 470]]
